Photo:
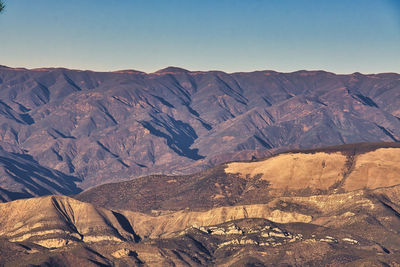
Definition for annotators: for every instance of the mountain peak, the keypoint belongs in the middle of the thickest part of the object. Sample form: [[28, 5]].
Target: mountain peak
[[128, 72], [171, 69]]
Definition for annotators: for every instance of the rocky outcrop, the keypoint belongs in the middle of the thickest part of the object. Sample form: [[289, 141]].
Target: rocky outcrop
[[56, 221], [67, 221], [333, 226]]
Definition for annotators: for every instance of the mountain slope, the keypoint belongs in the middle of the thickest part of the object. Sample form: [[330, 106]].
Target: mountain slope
[[102, 127], [339, 207], [329, 170], [23, 177]]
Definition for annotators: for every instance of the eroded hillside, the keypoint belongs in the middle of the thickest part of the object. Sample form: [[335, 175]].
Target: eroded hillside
[[341, 209], [330, 170], [349, 227]]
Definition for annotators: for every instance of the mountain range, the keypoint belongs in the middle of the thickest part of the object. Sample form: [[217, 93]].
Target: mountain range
[[63, 131], [191, 168]]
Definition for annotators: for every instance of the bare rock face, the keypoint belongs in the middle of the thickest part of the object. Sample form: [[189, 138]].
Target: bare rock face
[[336, 229], [341, 209], [121, 253], [106, 127], [64, 221]]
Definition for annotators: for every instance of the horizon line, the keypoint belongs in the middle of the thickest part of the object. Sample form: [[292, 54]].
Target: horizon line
[[175, 69]]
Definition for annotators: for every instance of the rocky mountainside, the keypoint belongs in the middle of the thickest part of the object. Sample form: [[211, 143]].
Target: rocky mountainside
[[101, 127], [337, 206]]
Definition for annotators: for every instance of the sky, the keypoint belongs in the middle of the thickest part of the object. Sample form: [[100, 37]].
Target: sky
[[340, 36]]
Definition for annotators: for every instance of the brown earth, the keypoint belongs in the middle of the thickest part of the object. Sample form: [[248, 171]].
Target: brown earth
[[243, 218], [296, 173], [324, 171], [326, 229]]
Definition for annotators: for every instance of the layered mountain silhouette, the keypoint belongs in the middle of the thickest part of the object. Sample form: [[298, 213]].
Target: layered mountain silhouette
[[335, 206], [99, 127]]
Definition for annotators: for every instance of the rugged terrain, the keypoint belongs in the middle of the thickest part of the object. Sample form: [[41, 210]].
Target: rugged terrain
[[23, 177], [330, 170], [89, 128], [334, 206]]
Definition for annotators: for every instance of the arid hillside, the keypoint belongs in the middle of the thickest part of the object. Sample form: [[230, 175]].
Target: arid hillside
[[340, 210], [106, 127], [330, 170]]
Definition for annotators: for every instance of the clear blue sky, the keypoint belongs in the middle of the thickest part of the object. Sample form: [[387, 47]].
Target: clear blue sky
[[342, 36]]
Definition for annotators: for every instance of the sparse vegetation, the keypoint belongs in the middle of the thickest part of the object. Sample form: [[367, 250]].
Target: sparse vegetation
[[2, 6]]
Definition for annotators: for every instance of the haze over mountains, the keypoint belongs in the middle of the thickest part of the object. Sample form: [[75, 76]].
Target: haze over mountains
[[89, 128]]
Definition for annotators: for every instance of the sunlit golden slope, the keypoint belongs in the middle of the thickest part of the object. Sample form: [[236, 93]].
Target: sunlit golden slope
[[323, 171]]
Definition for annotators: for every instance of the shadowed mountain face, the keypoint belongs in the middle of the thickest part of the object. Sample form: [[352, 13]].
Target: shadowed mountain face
[[102, 127], [337, 206], [23, 177]]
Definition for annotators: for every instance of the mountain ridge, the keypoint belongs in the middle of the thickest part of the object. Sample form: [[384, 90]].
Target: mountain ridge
[[100, 127], [182, 69]]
